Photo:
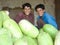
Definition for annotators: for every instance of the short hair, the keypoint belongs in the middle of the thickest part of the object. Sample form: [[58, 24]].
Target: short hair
[[26, 4], [40, 6]]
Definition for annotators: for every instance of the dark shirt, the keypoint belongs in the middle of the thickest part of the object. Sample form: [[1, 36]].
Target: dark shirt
[[22, 15]]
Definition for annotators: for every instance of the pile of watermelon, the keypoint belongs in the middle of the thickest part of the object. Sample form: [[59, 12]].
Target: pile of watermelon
[[25, 33]]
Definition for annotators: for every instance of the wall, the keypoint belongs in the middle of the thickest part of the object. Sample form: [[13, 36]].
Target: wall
[[50, 6]]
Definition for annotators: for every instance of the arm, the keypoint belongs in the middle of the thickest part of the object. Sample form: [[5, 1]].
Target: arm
[[40, 23], [52, 21], [32, 18]]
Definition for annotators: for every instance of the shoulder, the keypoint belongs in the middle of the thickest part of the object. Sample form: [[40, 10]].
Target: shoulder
[[48, 15], [32, 13], [20, 14]]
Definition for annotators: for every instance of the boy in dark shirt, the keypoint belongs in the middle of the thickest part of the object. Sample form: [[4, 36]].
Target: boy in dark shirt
[[26, 14]]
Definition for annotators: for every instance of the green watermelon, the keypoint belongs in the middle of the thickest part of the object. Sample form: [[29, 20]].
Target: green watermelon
[[28, 28], [25, 41], [5, 37], [5, 15], [13, 27], [57, 39], [41, 30], [1, 21], [51, 30], [44, 39]]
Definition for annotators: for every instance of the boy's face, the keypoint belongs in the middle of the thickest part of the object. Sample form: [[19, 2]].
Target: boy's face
[[40, 11], [27, 10]]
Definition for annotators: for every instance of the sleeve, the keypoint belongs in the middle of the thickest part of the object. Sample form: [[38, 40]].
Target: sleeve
[[40, 23], [31, 18]]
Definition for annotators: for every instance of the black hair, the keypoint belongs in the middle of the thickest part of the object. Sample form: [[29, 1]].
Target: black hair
[[40, 6], [26, 4]]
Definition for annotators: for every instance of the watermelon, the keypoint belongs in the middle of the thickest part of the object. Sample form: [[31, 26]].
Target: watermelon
[[5, 15], [1, 21], [40, 30], [25, 41], [5, 37], [13, 27], [44, 39], [51, 30], [57, 39], [28, 28]]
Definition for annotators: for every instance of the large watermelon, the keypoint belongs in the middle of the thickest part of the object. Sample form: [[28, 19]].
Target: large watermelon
[[40, 30], [50, 29], [13, 27], [44, 38], [28, 28], [5, 15], [25, 41], [57, 39], [1, 21], [5, 37]]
